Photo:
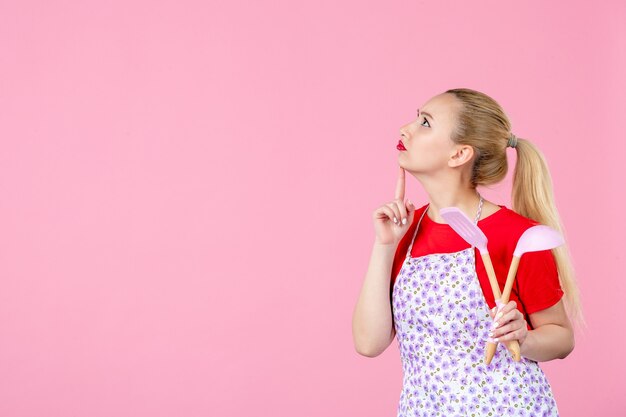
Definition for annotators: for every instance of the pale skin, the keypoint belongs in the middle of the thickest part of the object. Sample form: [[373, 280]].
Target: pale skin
[[443, 169]]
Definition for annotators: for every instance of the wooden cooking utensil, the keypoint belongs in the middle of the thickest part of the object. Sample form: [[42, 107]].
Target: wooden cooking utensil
[[475, 237]]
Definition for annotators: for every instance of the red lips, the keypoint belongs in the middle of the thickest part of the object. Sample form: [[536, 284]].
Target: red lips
[[400, 146]]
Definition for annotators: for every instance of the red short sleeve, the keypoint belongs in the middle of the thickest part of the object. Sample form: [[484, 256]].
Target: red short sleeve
[[537, 281]]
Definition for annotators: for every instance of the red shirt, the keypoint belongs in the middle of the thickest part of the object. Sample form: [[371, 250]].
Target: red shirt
[[536, 286]]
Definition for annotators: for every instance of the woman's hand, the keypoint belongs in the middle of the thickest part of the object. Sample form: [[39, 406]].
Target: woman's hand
[[512, 324], [388, 230]]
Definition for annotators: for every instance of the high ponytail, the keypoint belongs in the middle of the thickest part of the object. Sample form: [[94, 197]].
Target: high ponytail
[[532, 196], [482, 124]]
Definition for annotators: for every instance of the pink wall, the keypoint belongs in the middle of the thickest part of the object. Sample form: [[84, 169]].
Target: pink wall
[[187, 190]]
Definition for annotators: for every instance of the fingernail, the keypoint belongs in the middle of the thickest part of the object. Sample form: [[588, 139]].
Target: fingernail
[[404, 221], [498, 316], [395, 220]]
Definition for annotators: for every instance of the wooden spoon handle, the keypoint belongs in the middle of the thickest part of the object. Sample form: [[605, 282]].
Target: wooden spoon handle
[[506, 293], [511, 345], [515, 349]]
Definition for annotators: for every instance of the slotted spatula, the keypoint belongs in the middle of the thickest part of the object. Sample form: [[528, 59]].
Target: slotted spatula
[[472, 234]]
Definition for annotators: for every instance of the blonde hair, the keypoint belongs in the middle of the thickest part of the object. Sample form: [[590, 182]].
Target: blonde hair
[[482, 124]]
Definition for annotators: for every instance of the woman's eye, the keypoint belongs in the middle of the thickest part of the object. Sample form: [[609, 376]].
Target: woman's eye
[[426, 122]]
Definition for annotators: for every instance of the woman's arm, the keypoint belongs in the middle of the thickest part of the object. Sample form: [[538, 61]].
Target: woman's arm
[[552, 336], [372, 323]]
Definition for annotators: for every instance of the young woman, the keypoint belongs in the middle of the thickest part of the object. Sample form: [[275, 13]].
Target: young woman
[[429, 288]]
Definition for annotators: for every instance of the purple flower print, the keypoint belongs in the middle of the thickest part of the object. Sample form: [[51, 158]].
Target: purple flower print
[[446, 360]]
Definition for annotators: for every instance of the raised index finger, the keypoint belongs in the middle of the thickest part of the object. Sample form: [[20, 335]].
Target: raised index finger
[[400, 185]]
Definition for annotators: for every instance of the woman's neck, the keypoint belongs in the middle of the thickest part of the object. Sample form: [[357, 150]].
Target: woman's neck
[[440, 196]]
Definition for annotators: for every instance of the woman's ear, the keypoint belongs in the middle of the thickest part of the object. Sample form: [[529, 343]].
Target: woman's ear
[[461, 155]]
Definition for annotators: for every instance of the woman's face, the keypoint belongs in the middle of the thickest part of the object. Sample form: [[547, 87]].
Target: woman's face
[[427, 138]]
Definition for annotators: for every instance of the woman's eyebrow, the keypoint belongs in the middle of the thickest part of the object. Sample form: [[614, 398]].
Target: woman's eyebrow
[[427, 114]]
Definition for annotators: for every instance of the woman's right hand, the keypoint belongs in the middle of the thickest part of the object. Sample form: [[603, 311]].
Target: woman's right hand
[[389, 232]]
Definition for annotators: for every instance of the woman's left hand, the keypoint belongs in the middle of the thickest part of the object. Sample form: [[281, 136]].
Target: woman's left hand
[[512, 324]]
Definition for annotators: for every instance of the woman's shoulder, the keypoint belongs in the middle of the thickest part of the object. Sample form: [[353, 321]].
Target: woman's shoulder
[[505, 227], [511, 218]]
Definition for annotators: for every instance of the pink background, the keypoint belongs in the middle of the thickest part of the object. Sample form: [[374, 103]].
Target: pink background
[[187, 190]]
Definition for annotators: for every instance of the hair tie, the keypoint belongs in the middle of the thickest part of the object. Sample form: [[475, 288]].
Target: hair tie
[[512, 141]]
